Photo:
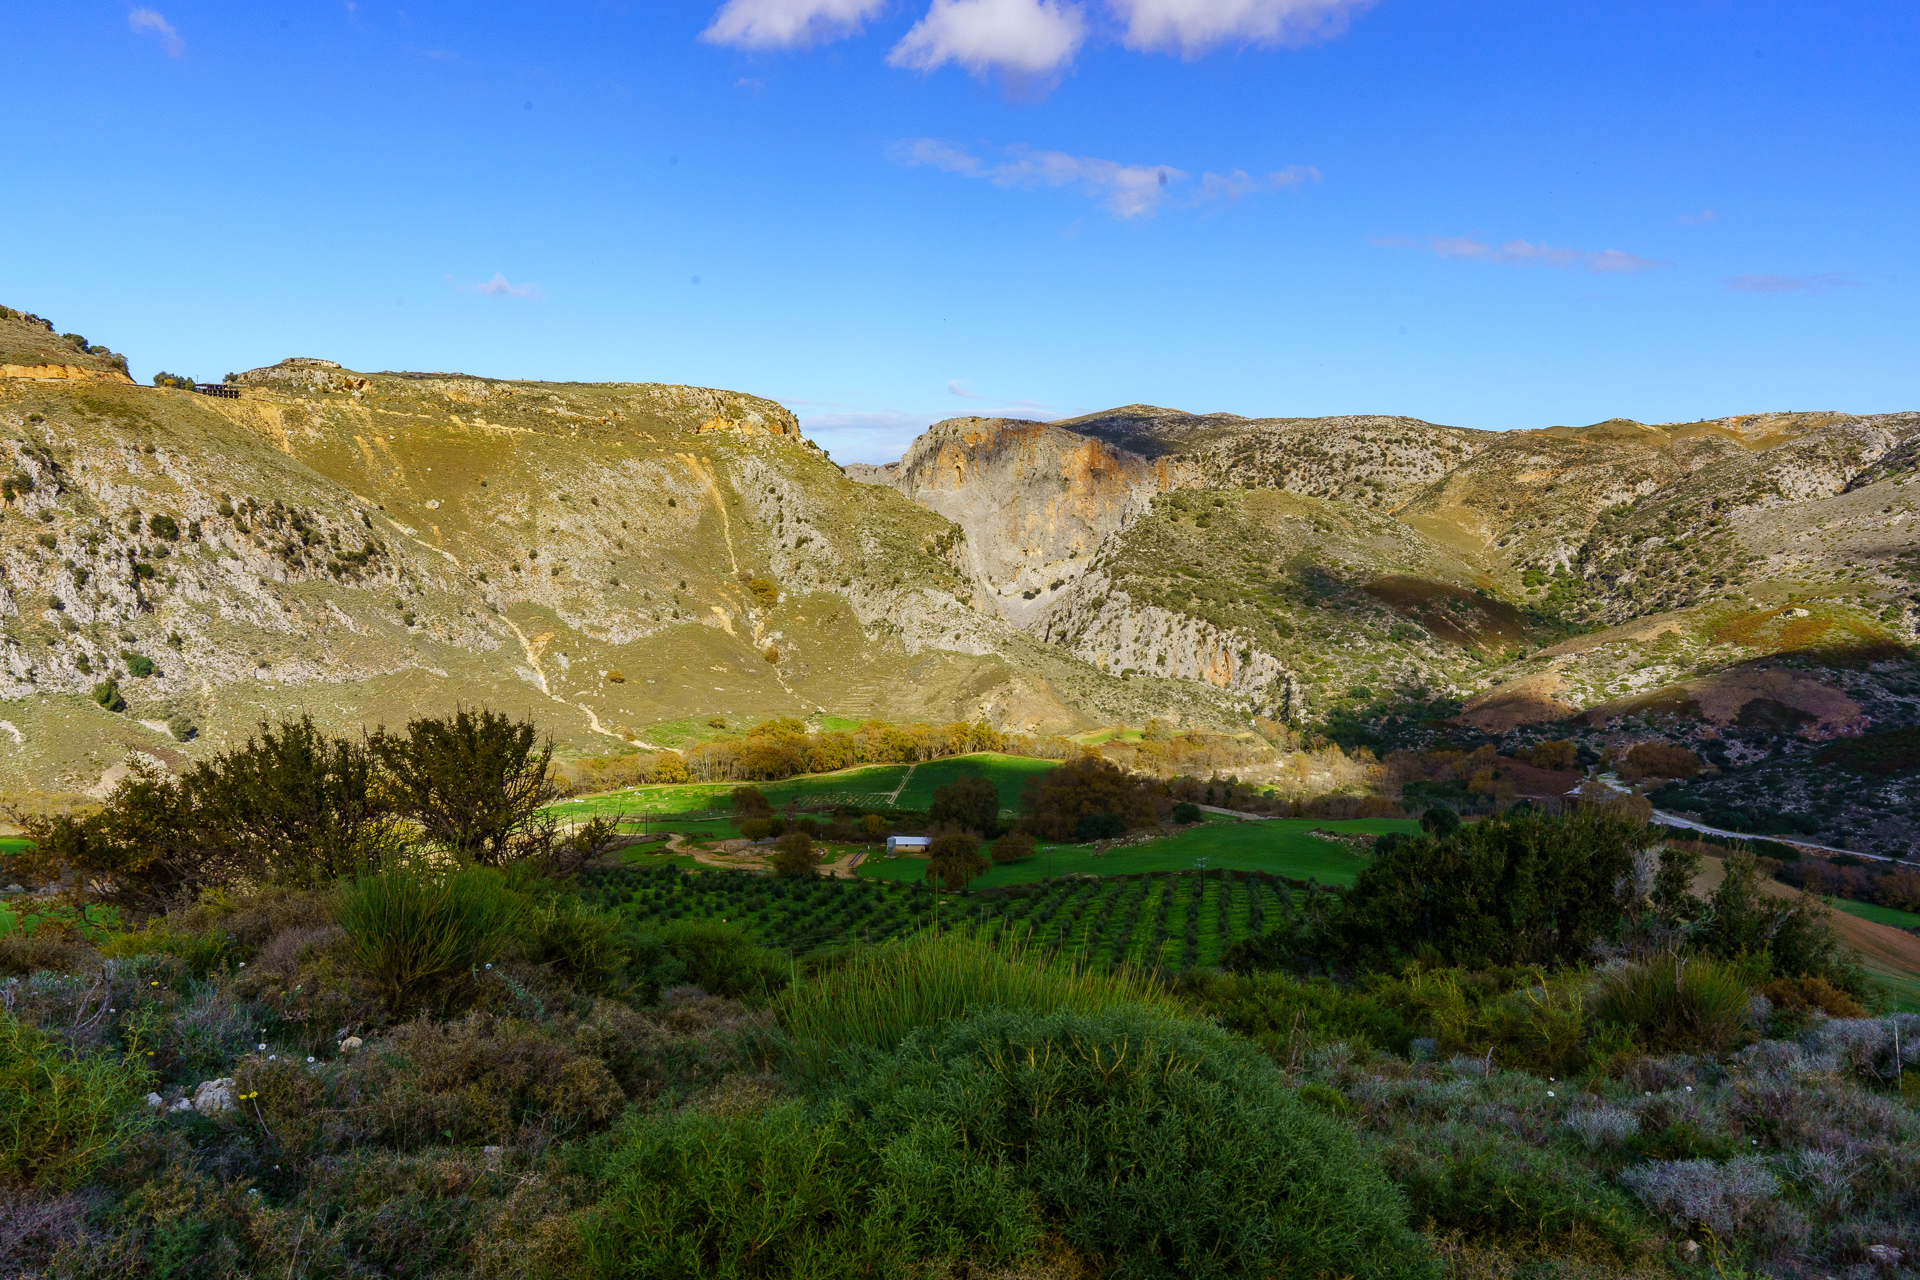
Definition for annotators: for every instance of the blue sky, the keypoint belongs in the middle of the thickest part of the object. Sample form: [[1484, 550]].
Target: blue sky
[[1493, 215]]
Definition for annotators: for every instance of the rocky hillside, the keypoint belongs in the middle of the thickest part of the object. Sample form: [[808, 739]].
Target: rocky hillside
[[1746, 585], [630, 563], [636, 564]]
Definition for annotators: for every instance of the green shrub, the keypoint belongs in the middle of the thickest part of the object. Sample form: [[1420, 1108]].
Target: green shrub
[[1157, 1144], [1014, 846], [954, 859], [1481, 1183], [107, 694], [1147, 1144], [756, 828], [784, 1193], [1514, 890], [63, 1115], [723, 961], [794, 855], [577, 942], [139, 665], [1677, 1004], [1100, 826], [1286, 1015], [416, 931], [927, 979], [1186, 813], [1539, 1024], [201, 952]]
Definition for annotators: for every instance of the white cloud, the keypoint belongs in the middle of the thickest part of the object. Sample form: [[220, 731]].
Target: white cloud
[[939, 155], [958, 387], [1822, 283], [1193, 28], [1699, 219], [1234, 185], [149, 21], [788, 24], [880, 436], [500, 287], [1024, 38], [1527, 253], [1126, 190]]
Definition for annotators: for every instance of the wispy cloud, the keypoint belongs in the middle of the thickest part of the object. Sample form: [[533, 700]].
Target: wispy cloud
[[1027, 39], [1194, 28], [500, 287], [1824, 282], [1699, 219], [149, 22], [958, 387], [1125, 190], [1527, 253], [788, 24], [872, 436], [1232, 186]]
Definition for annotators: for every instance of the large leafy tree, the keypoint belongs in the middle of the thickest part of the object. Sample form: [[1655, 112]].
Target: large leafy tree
[[971, 804], [474, 782], [954, 859], [1524, 889], [1055, 802], [295, 805], [292, 806]]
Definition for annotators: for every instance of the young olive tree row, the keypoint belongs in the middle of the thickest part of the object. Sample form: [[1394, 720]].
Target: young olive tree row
[[296, 806]]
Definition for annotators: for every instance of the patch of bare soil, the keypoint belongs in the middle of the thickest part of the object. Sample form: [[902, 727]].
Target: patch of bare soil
[[1528, 700]]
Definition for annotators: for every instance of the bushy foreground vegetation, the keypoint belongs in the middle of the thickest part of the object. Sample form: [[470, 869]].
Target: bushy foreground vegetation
[[1518, 1047]]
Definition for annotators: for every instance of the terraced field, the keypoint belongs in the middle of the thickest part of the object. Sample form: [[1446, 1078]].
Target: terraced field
[[876, 787], [1283, 847], [1172, 920]]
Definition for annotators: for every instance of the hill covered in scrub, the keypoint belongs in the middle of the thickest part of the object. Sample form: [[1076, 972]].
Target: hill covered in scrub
[[633, 562], [359, 1006], [1745, 586]]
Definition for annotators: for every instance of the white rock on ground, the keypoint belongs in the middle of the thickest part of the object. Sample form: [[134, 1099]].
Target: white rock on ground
[[214, 1096]]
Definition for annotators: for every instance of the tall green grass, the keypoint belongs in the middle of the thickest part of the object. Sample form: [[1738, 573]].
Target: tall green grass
[[1681, 1004], [415, 930], [927, 979], [63, 1115]]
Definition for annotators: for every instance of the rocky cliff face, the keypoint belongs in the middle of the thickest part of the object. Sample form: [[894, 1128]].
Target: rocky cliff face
[[1108, 628], [1033, 500]]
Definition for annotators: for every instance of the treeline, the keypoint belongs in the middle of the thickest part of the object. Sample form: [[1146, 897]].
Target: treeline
[[785, 748], [1889, 886], [298, 807], [1532, 889]]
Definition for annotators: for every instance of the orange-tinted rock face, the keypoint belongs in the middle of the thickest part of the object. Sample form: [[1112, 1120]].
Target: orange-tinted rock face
[[62, 373], [1035, 501]]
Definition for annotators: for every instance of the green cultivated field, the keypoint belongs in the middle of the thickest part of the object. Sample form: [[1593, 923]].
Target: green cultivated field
[[1278, 847], [865, 787], [792, 915], [1173, 920], [1878, 914]]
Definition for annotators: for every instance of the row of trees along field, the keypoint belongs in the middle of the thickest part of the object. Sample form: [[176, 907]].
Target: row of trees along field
[[391, 1025], [784, 747]]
